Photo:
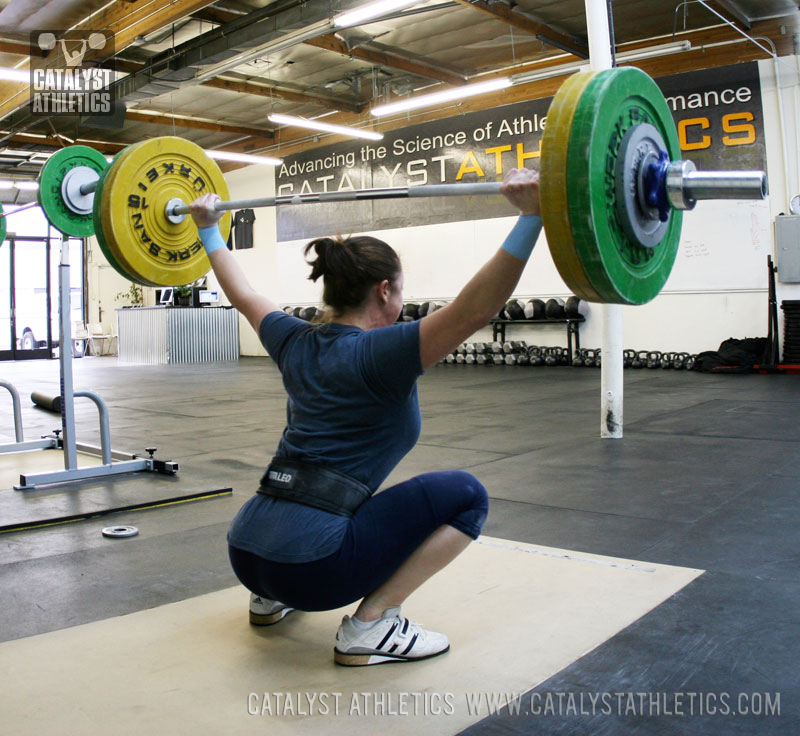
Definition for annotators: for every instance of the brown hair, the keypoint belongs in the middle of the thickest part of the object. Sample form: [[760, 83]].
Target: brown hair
[[349, 268]]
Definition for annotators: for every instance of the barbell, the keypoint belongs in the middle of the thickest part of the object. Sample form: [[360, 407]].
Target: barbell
[[613, 189]]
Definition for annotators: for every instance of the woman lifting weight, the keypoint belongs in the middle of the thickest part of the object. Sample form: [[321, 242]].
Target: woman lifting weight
[[314, 537]]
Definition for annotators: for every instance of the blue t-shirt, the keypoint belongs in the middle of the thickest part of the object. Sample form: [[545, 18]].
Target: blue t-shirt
[[352, 407]]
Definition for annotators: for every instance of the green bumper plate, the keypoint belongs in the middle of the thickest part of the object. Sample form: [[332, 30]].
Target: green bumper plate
[[50, 196], [620, 270]]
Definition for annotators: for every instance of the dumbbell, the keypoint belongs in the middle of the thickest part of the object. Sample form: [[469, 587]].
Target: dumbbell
[[495, 347], [514, 347]]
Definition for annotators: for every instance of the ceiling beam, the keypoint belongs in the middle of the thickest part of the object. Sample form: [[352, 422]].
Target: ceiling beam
[[215, 15], [20, 49], [184, 122], [389, 58], [731, 7], [58, 142], [125, 21], [501, 11], [262, 90]]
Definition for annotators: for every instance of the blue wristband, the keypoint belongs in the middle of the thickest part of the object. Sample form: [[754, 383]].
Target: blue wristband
[[520, 241], [211, 238]]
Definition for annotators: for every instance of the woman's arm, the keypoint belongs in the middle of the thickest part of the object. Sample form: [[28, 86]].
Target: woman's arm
[[234, 283], [489, 289]]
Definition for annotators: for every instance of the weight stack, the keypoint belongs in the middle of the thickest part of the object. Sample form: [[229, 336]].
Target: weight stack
[[791, 332]]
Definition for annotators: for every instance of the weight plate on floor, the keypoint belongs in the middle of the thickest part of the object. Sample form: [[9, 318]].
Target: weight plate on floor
[[620, 270], [67, 210], [120, 531], [98, 225], [553, 189], [133, 210]]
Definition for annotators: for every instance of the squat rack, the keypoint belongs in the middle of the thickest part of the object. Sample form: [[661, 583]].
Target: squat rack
[[126, 463]]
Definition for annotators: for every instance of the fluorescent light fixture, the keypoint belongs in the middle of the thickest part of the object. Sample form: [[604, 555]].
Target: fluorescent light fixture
[[651, 51], [547, 72], [561, 69], [447, 95], [27, 186], [372, 10], [6, 184], [244, 158], [15, 75], [327, 127]]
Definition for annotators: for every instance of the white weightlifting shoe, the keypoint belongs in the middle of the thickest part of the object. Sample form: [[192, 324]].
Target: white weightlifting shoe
[[264, 612], [392, 639]]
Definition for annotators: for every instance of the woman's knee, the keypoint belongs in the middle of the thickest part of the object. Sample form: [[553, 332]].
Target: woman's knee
[[474, 489]]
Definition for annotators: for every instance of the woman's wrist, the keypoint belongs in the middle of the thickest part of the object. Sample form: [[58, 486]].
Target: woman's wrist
[[520, 241], [211, 238]]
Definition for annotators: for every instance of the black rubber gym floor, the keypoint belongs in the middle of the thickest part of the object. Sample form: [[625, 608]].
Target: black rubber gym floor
[[706, 476]]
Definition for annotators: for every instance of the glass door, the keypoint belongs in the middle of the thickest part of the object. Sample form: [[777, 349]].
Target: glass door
[[30, 299]]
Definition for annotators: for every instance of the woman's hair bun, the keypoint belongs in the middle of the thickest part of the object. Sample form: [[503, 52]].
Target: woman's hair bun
[[334, 258]]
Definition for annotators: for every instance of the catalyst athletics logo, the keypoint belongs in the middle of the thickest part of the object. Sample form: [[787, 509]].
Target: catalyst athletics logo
[[65, 75]]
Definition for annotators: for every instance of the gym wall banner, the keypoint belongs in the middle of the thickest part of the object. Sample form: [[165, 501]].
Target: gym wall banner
[[718, 114]]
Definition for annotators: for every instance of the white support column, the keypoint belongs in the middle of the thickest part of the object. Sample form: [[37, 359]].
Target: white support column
[[611, 369]]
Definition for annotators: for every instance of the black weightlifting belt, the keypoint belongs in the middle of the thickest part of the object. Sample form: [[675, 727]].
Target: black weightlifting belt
[[313, 485]]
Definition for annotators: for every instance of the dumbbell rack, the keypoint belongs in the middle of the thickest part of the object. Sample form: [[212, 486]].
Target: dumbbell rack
[[573, 323], [126, 463]]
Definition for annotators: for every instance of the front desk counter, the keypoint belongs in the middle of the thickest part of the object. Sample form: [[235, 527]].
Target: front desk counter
[[177, 334]]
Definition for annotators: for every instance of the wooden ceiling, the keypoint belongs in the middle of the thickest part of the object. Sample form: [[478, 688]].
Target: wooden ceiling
[[300, 65]]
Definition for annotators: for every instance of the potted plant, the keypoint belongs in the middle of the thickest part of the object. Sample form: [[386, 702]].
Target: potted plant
[[134, 296], [183, 296]]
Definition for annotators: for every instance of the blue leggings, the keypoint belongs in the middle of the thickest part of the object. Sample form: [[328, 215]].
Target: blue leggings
[[382, 534]]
